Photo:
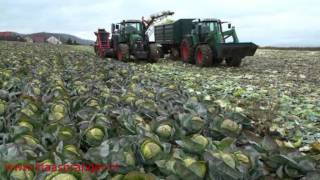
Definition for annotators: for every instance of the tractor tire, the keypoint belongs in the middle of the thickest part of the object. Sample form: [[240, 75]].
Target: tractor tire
[[187, 51], [234, 62], [153, 53], [123, 52], [203, 55]]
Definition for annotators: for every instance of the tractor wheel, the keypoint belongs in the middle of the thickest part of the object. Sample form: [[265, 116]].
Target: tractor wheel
[[234, 62], [153, 53], [123, 52], [187, 51], [203, 55]]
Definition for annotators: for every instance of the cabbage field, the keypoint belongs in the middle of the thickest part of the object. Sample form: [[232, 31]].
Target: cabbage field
[[61, 105]]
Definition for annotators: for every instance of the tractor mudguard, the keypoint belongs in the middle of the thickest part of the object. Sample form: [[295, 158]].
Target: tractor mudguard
[[191, 39]]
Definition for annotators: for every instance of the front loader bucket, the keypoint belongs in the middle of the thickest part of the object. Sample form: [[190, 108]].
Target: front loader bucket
[[229, 50]]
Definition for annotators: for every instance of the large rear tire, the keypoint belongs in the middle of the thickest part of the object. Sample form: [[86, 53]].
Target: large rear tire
[[123, 52], [233, 62], [203, 55], [187, 51], [153, 53]]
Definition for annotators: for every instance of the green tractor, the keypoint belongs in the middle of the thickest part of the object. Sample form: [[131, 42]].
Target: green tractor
[[130, 38], [207, 45]]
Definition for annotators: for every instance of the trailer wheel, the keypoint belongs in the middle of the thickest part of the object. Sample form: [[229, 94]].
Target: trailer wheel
[[203, 55], [153, 53], [234, 62], [123, 52], [187, 51]]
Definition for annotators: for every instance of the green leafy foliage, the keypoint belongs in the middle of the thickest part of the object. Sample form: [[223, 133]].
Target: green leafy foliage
[[168, 120]]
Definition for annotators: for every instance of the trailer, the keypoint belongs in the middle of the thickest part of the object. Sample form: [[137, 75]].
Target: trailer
[[169, 36]]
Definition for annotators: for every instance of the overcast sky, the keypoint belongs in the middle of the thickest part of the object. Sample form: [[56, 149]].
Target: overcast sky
[[265, 22]]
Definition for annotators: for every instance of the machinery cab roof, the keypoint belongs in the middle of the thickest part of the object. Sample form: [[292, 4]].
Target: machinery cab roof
[[207, 25], [207, 20], [130, 26], [130, 21]]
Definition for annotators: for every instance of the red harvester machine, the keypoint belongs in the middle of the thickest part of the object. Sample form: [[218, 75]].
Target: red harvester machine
[[102, 44]]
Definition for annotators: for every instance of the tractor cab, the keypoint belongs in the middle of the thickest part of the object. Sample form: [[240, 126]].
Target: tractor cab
[[211, 30], [129, 30], [132, 27], [132, 33]]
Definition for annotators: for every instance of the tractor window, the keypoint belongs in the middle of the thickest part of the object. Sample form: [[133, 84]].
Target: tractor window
[[212, 25], [205, 29], [133, 27]]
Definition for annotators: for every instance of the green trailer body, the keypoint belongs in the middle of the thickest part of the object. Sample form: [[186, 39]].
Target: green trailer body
[[169, 36], [172, 33]]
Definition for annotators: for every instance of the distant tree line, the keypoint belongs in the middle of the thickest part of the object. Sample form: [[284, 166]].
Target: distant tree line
[[70, 42]]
